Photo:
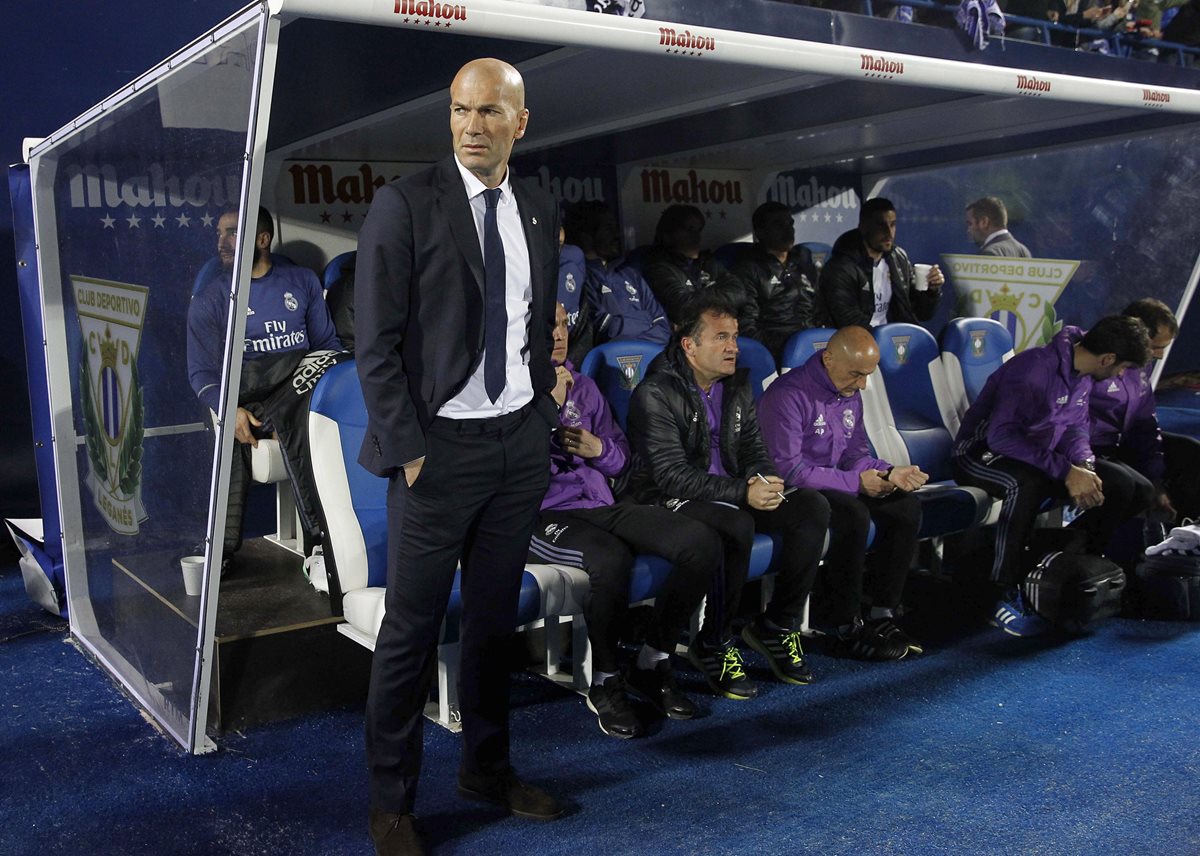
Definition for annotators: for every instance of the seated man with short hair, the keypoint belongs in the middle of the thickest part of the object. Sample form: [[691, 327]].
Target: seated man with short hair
[[621, 302], [812, 421], [678, 269], [1025, 439], [582, 526], [869, 280], [1125, 423], [779, 279], [697, 449], [286, 318]]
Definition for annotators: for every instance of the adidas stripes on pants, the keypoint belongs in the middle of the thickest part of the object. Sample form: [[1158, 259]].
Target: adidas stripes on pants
[[603, 542]]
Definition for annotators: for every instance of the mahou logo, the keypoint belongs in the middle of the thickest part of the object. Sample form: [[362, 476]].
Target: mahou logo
[[659, 185], [880, 66], [686, 42], [430, 12], [1155, 97], [1029, 85]]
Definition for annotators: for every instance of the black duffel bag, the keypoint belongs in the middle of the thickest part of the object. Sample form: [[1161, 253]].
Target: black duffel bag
[[1169, 586], [1073, 590]]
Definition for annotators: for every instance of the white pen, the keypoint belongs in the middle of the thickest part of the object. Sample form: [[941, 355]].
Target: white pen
[[763, 479]]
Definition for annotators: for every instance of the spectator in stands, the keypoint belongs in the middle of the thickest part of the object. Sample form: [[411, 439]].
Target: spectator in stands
[[1125, 423], [457, 267], [1183, 29], [622, 303], [1026, 439], [868, 279], [572, 283], [340, 300], [1149, 23], [779, 279], [677, 269], [1050, 11], [697, 449], [812, 423], [286, 317], [987, 226], [582, 525]]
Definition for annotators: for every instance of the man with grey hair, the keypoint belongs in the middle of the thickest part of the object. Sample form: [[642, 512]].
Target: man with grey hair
[[987, 226]]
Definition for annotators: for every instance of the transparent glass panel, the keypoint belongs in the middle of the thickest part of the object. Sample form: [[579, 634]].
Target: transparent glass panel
[[1107, 222], [128, 210]]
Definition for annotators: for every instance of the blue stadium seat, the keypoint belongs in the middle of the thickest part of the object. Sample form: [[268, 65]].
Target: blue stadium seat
[[333, 270], [803, 344], [972, 348], [904, 411], [617, 367], [730, 254], [820, 252], [354, 503], [753, 355]]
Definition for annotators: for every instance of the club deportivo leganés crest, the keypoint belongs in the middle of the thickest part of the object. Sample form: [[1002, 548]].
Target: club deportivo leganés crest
[[1019, 293], [111, 315], [630, 370]]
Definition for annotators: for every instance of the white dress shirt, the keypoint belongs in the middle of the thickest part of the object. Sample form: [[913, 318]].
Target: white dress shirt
[[472, 401]]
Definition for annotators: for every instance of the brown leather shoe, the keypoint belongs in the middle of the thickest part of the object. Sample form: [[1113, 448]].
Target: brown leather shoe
[[395, 834], [507, 790]]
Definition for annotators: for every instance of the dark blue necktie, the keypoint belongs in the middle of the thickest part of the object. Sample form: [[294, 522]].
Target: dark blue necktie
[[495, 314]]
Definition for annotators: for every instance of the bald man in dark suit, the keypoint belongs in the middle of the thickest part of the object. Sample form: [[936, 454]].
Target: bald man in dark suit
[[457, 269]]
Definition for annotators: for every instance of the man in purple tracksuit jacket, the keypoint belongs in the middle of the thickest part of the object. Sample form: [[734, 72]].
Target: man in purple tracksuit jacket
[[812, 422], [1025, 439], [582, 526], [1125, 423]]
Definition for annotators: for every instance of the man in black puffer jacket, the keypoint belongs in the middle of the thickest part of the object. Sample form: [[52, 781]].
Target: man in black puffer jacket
[[678, 270], [869, 281], [697, 450], [779, 278]]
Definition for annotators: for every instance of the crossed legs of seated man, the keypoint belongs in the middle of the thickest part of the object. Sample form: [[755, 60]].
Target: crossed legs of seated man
[[1022, 490], [603, 541], [884, 571], [801, 522]]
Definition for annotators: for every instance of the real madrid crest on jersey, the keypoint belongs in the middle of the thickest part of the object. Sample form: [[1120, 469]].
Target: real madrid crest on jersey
[[848, 420], [569, 283], [571, 415], [290, 302], [110, 319]]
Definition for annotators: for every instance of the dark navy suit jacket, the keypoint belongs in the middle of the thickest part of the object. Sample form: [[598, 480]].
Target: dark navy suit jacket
[[419, 306]]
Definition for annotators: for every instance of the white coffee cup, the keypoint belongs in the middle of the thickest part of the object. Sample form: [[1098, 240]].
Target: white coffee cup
[[193, 574], [922, 272]]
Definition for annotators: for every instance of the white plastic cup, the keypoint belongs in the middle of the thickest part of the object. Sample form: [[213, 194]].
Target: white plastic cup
[[922, 272], [193, 574]]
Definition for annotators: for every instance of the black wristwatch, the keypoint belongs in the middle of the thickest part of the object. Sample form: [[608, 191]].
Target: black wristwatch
[[888, 474]]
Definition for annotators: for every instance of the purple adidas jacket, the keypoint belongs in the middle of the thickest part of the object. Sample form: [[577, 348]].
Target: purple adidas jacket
[[578, 482], [815, 435], [1034, 408], [1123, 414]]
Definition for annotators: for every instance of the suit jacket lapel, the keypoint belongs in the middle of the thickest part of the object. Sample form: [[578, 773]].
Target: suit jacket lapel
[[453, 200]]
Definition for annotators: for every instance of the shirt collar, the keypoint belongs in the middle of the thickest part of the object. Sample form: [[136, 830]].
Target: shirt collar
[[997, 234], [475, 187]]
